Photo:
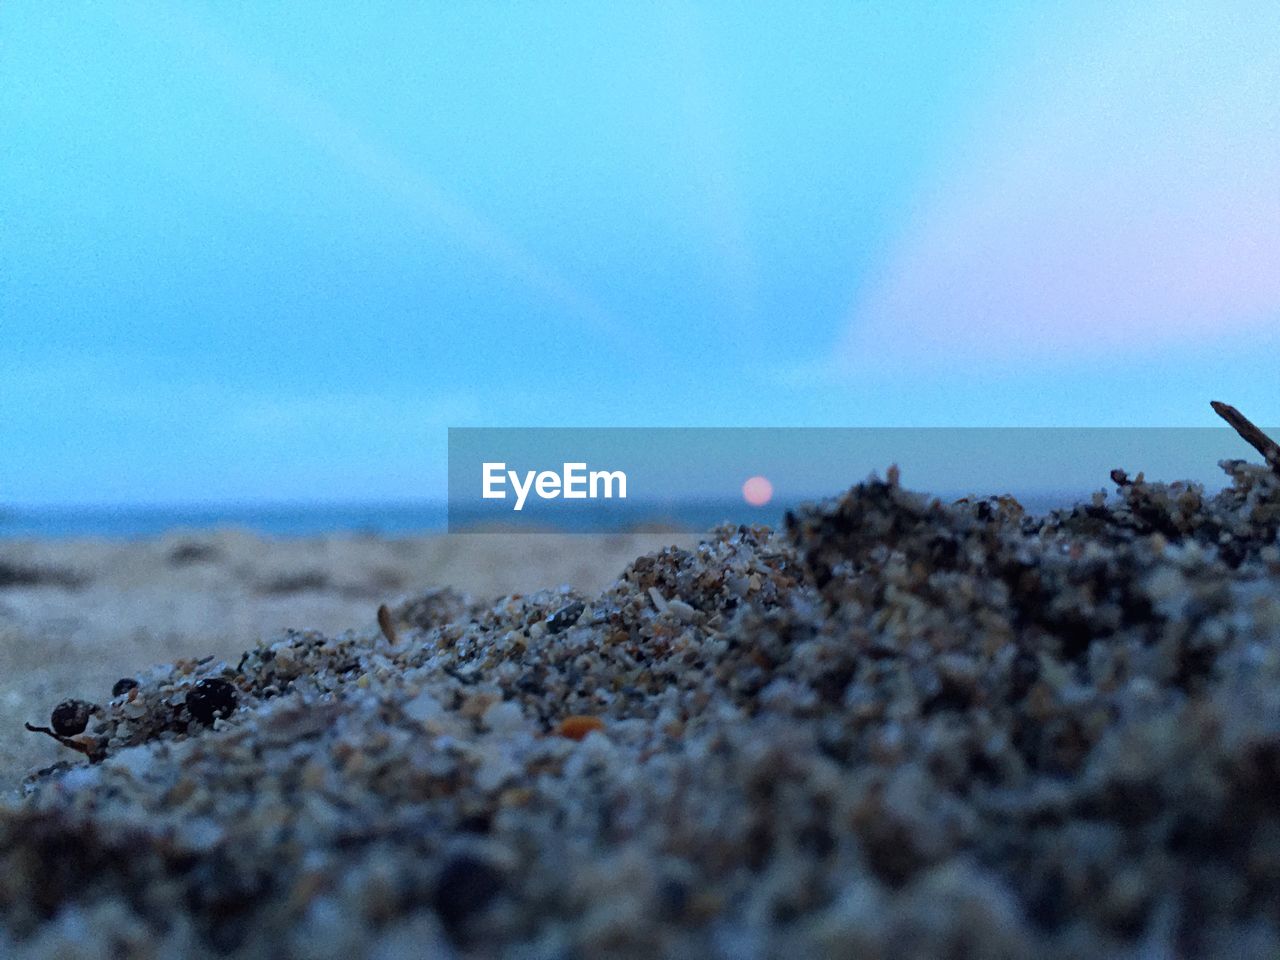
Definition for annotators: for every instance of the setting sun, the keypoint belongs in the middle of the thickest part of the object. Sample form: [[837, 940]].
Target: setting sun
[[757, 491]]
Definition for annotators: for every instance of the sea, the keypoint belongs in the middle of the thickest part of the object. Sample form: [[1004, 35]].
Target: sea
[[132, 522]]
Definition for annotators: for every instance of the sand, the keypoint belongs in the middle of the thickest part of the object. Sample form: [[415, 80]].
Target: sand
[[198, 593], [895, 728]]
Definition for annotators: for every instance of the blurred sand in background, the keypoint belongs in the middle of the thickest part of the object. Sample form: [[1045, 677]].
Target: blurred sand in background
[[76, 615]]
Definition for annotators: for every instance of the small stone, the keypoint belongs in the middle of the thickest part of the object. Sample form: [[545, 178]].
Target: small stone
[[577, 727], [565, 617], [505, 716], [210, 699], [70, 717], [423, 707], [681, 610], [123, 686], [465, 886], [659, 601]]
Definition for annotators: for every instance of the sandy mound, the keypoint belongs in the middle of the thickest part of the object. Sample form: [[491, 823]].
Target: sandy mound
[[897, 728]]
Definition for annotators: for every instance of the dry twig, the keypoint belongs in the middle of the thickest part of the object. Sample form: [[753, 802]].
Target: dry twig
[[93, 750], [1242, 425]]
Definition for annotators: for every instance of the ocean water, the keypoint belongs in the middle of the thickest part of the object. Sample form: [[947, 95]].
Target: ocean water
[[387, 520], [402, 519], [282, 520]]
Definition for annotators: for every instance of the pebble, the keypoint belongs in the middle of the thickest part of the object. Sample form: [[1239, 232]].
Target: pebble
[[211, 699], [123, 686], [577, 727], [70, 717], [466, 885], [565, 617]]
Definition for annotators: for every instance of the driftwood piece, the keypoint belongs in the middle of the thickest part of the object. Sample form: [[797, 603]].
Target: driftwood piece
[[1242, 425]]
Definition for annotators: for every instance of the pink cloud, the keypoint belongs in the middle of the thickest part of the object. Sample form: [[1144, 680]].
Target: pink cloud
[[1123, 191]]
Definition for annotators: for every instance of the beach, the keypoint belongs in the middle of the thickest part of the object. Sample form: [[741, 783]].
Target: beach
[[78, 614], [894, 727], [513, 481]]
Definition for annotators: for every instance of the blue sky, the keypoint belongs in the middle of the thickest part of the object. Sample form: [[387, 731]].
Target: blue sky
[[271, 252]]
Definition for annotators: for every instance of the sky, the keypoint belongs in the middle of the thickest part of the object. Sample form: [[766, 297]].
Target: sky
[[271, 252]]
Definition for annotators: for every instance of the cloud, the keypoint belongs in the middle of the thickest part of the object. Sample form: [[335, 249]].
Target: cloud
[[344, 141], [1120, 194]]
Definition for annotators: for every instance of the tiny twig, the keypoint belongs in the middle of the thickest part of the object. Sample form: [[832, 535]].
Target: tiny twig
[[94, 753], [1242, 425]]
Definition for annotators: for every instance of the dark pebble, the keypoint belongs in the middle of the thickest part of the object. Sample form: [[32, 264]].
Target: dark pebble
[[464, 888], [123, 686], [210, 699], [673, 898], [565, 617], [70, 717], [476, 823]]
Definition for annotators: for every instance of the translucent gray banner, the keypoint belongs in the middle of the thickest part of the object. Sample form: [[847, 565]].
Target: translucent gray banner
[[599, 480]]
